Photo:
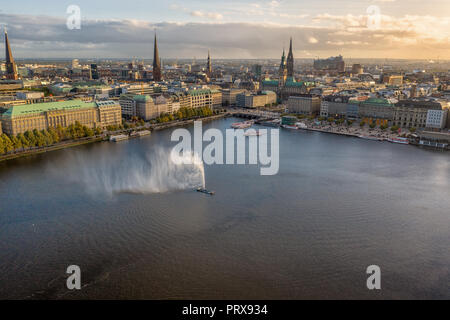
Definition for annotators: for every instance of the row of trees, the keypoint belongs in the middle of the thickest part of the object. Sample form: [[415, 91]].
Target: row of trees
[[43, 138], [186, 113]]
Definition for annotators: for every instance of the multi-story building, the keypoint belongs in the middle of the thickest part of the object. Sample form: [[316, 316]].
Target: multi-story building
[[393, 80], [30, 95], [379, 109], [416, 113], [256, 100], [437, 119], [229, 96], [40, 116], [286, 89], [304, 104], [200, 98], [334, 106], [216, 98]]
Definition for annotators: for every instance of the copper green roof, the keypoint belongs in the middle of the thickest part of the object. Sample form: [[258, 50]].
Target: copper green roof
[[142, 97], [37, 108], [271, 82], [378, 101]]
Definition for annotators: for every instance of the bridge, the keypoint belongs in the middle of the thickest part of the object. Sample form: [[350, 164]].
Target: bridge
[[257, 115]]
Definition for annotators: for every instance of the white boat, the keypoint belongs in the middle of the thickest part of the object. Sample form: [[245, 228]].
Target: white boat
[[399, 140], [117, 138], [369, 138], [301, 125], [286, 126], [140, 134], [242, 125]]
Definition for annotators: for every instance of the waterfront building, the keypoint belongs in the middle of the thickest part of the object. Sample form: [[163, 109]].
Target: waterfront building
[[157, 75], [334, 106], [40, 116], [379, 109], [352, 109], [11, 67], [200, 98], [304, 104], [418, 113], [256, 100], [141, 106], [437, 119], [216, 98], [229, 96]]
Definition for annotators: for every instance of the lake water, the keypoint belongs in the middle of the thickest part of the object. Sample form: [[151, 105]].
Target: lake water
[[138, 230]]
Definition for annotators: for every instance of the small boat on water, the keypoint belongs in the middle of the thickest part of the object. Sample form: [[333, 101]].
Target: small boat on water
[[203, 190], [137, 134], [370, 138], [399, 140], [242, 125], [117, 138], [286, 126]]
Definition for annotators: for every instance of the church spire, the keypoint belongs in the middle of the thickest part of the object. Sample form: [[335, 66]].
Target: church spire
[[283, 70], [209, 66], [156, 63], [11, 69], [290, 61]]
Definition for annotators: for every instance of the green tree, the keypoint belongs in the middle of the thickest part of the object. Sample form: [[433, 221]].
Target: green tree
[[32, 141], [17, 144], [2, 145], [8, 144], [394, 128]]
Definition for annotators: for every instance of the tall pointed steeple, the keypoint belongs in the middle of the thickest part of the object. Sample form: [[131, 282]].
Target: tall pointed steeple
[[11, 69], [156, 63], [290, 61], [209, 66], [283, 70]]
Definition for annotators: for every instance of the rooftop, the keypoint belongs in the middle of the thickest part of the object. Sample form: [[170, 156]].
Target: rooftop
[[37, 108]]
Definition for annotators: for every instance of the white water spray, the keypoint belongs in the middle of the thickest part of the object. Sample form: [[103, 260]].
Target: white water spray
[[154, 172]]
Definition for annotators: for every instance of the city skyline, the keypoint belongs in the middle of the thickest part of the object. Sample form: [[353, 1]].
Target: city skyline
[[247, 30]]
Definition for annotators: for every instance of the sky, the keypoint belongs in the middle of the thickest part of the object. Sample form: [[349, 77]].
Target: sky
[[409, 29]]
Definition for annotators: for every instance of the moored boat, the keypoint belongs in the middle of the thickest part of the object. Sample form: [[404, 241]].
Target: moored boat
[[286, 126], [370, 138], [242, 125], [399, 140]]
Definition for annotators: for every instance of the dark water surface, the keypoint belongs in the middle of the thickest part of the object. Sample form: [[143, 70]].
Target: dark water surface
[[336, 206]]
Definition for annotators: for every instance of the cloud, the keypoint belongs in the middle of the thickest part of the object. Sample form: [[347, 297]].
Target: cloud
[[209, 15], [197, 13], [405, 37]]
